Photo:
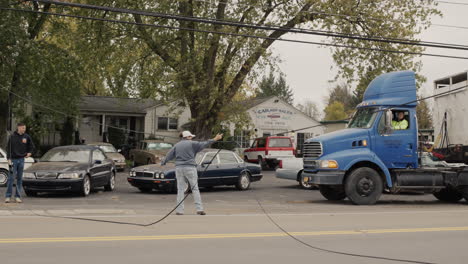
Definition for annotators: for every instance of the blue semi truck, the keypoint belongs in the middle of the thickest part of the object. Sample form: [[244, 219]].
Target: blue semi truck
[[370, 156]]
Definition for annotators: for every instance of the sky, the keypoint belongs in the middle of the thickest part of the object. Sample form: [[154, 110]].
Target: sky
[[308, 68]]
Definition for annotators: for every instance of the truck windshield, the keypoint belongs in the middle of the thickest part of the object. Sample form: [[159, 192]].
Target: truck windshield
[[364, 118]]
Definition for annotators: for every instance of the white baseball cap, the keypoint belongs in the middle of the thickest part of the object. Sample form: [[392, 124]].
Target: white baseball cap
[[187, 133]]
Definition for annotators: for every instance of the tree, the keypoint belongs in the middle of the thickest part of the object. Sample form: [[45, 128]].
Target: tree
[[208, 69], [272, 86], [335, 111], [424, 115], [342, 93], [33, 67], [309, 108]]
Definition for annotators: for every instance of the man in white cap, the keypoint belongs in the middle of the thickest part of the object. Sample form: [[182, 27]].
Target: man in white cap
[[186, 168]]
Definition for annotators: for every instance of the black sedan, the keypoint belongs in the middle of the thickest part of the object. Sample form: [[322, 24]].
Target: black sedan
[[227, 168], [70, 168]]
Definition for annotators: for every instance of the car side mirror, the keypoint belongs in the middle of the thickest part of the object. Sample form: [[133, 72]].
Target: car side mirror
[[205, 163], [98, 162]]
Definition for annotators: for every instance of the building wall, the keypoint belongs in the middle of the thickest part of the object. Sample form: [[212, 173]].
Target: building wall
[[151, 121], [455, 104]]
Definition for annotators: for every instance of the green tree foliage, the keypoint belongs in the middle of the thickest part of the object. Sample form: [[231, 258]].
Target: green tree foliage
[[34, 67], [342, 93], [207, 70], [424, 115], [335, 111], [272, 86]]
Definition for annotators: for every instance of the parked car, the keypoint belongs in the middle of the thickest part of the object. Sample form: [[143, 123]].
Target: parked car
[[267, 150], [112, 153], [70, 168], [5, 169], [227, 168], [291, 169], [149, 152]]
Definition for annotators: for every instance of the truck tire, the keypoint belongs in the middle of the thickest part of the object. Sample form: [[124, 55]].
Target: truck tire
[[464, 192], [449, 195], [332, 192], [364, 186]]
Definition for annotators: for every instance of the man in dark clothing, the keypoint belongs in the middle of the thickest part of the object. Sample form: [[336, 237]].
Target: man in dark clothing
[[184, 153], [19, 147]]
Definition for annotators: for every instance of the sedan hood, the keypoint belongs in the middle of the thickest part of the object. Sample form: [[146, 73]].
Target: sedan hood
[[57, 166], [115, 156]]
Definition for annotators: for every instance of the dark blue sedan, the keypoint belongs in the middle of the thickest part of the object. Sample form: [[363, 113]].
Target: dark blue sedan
[[227, 168]]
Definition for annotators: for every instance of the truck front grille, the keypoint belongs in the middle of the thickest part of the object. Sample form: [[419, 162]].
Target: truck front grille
[[312, 149]]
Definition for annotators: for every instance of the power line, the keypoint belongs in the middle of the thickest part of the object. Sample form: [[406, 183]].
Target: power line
[[238, 34], [452, 3], [262, 27], [326, 13]]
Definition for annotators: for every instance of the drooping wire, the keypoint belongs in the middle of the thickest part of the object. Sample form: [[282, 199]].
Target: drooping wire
[[237, 34]]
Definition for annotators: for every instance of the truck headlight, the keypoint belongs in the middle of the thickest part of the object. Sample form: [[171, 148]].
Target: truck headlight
[[73, 175], [329, 164], [29, 175]]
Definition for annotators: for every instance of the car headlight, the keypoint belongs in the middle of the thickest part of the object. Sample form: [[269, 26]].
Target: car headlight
[[156, 175], [29, 175], [329, 164], [132, 173], [73, 175], [161, 175]]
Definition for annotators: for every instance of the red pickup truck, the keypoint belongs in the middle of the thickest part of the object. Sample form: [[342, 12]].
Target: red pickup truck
[[267, 150]]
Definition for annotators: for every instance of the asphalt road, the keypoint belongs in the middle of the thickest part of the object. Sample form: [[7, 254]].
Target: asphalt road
[[236, 230]]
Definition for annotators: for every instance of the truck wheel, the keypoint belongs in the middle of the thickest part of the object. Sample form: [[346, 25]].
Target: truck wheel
[[332, 192], [449, 195], [364, 186], [464, 192]]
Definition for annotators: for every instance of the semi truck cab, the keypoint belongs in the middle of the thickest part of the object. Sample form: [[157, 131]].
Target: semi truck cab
[[371, 154]]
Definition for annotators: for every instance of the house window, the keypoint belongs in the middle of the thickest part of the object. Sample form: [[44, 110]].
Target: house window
[[167, 123]]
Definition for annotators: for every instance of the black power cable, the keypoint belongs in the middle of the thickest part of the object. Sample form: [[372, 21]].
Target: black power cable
[[258, 26], [129, 223], [236, 34]]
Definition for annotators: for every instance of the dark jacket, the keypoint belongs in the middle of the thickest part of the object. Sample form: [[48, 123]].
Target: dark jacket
[[19, 145]]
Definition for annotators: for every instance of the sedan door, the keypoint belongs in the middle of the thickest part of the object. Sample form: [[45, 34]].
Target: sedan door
[[209, 175], [229, 168], [100, 168]]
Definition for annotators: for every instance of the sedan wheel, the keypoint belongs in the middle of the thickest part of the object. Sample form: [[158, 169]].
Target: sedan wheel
[[111, 184], [244, 182], [86, 187], [304, 184], [3, 178]]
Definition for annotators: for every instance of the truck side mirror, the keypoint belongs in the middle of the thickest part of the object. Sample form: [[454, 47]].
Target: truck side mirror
[[388, 121]]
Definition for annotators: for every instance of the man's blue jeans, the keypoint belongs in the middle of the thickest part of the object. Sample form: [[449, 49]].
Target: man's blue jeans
[[183, 175], [17, 170]]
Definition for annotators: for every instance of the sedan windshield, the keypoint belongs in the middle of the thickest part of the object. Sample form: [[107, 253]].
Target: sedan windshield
[[364, 118], [107, 148], [73, 155], [157, 146]]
